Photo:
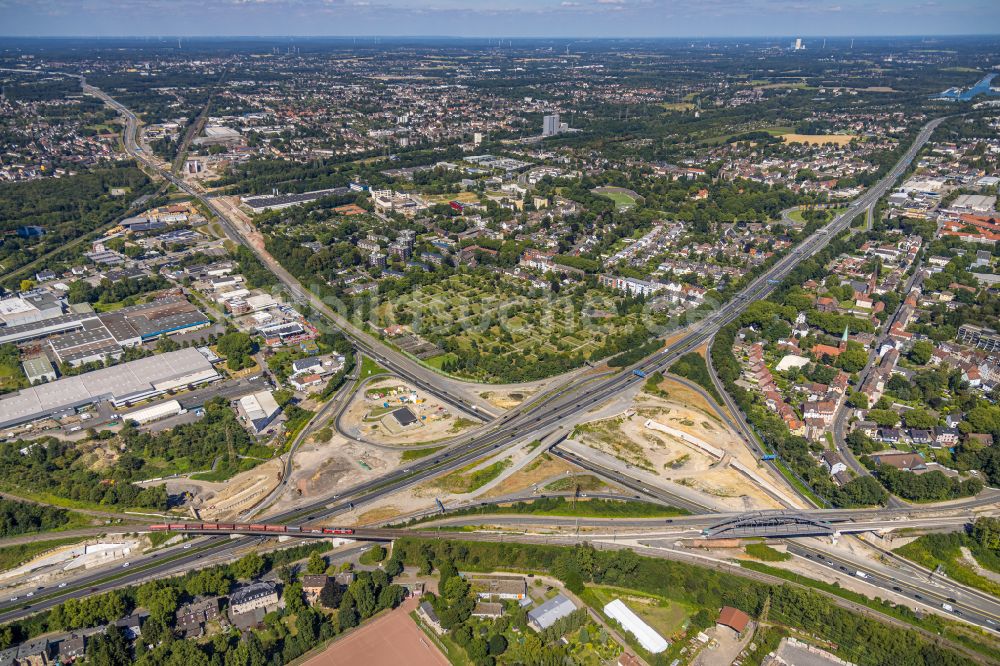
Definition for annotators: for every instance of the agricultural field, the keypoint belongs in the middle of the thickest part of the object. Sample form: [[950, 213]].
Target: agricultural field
[[819, 139], [506, 319]]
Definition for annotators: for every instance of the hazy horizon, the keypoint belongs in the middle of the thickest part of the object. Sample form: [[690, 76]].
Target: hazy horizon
[[557, 19]]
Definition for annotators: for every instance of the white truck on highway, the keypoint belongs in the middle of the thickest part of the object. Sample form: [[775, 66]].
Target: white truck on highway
[[861, 574], [948, 607]]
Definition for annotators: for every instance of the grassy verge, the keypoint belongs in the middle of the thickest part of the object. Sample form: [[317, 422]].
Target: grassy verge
[[417, 454], [582, 482], [465, 480], [370, 367], [13, 556], [803, 489], [563, 506], [692, 366], [157, 539], [372, 556], [944, 550], [65, 502], [761, 551]]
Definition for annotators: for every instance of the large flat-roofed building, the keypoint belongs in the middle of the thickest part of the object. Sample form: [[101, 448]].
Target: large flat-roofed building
[[121, 384], [92, 342], [259, 409], [128, 326], [29, 307], [979, 336], [38, 370], [259, 204]]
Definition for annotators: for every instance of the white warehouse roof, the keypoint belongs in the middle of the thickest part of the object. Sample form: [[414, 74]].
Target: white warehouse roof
[[135, 380], [153, 412], [648, 637]]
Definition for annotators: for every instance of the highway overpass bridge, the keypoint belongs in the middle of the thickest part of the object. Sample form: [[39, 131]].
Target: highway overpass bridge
[[771, 524]]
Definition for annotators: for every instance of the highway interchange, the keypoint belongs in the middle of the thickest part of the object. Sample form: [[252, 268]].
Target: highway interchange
[[536, 419]]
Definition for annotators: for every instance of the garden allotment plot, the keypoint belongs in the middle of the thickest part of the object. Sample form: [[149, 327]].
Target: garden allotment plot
[[503, 317]]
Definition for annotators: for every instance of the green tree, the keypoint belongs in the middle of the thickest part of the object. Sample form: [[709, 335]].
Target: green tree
[[249, 566], [159, 598], [853, 358], [921, 351], [109, 649], [919, 418], [884, 417], [316, 564], [238, 348], [393, 566]]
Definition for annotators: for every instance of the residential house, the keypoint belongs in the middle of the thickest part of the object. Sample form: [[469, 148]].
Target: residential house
[[833, 463], [248, 605], [979, 439], [869, 428], [906, 462], [946, 436], [505, 587], [191, 619], [312, 586], [822, 410], [72, 648], [890, 435]]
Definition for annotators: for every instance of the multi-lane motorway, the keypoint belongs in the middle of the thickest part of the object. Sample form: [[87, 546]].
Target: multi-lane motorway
[[532, 420]]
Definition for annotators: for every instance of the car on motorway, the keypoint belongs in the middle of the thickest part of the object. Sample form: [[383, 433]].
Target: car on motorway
[[13, 598], [30, 594], [62, 584], [126, 564]]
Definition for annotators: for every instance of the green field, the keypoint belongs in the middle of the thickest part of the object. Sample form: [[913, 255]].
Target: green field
[[621, 198], [665, 616], [370, 367], [944, 550], [437, 362]]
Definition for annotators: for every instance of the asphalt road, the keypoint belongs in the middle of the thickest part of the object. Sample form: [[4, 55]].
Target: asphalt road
[[935, 592], [540, 416]]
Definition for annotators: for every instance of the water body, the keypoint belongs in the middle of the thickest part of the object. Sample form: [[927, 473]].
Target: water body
[[981, 88]]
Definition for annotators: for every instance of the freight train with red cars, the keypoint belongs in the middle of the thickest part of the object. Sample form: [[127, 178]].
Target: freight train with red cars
[[252, 527]]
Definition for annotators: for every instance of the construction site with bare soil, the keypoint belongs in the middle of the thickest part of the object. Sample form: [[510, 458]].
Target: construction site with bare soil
[[392, 412], [673, 434]]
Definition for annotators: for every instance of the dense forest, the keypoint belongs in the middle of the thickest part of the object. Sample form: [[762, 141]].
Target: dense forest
[[22, 517], [64, 208]]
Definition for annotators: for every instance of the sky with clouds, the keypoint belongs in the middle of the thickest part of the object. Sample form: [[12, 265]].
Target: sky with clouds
[[499, 18]]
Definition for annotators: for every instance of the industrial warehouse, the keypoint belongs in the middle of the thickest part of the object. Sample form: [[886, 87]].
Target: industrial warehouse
[[121, 384], [81, 337]]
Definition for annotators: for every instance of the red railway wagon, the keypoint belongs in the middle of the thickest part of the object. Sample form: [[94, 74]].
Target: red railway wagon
[[258, 527], [159, 527], [274, 528], [337, 530]]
